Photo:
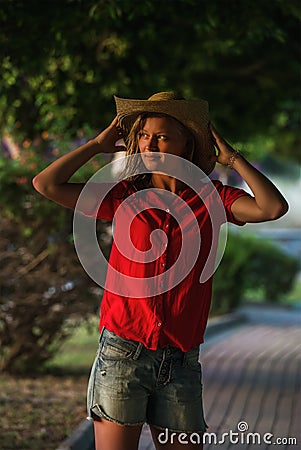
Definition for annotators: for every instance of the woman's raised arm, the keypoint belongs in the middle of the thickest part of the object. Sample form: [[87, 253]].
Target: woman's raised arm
[[53, 182], [267, 203]]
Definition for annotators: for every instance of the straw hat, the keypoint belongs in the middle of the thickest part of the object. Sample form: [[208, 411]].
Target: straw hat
[[191, 113]]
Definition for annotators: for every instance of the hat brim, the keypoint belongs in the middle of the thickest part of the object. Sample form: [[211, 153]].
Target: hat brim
[[194, 114]]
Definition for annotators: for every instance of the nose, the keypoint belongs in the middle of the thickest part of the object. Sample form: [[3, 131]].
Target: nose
[[152, 143]]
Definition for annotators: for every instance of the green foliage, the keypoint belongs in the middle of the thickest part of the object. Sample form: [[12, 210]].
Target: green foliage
[[271, 269], [44, 290], [20, 202], [241, 56], [249, 264]]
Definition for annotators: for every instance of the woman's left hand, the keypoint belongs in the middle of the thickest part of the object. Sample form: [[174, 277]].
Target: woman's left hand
[[267, 202], [224, 149]]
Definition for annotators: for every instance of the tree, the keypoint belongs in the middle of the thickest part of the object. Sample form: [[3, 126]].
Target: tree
[[244, 57], [45, 292], [250, 265]]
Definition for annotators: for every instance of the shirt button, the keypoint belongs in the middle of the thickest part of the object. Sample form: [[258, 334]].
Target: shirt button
[[163, 264], [167, 225], [167, 210], [159, 324]]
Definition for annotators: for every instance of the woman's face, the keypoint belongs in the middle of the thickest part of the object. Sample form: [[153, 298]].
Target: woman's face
[[158, 137]]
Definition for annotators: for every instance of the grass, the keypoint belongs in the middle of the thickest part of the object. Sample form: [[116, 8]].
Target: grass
[[38, 412], [78, 351]]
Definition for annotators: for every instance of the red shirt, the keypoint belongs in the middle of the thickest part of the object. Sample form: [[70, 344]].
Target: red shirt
[[161, 245]]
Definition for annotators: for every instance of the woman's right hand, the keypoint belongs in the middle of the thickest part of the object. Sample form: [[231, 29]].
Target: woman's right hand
[[108, 138], [53, 181]]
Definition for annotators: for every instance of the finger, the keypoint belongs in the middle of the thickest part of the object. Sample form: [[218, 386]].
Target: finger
[[214, 132], [118, 127], [211, 126], [115, 121]]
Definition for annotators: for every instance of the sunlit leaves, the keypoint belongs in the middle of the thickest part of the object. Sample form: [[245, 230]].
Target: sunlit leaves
[[243, 57]]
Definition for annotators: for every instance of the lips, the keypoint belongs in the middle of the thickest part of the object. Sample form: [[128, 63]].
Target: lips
[[151, 156]]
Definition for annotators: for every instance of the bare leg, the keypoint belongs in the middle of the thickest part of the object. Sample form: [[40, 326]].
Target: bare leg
[[174, 441], [111, 436]]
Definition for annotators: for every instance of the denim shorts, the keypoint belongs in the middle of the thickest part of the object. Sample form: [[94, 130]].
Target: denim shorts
[[131, 385]]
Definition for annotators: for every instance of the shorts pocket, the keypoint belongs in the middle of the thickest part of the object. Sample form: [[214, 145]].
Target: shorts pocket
[[113, 348], [115, 352]]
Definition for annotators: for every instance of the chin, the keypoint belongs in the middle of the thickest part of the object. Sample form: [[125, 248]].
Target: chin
[[151, 162]]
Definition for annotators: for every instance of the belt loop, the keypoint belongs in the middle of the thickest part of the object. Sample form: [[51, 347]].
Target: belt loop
[[138, 351], [183, 357], [101, 333], [100, 340]]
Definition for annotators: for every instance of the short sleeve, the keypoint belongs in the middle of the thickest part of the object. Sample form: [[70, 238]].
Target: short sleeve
[[100, 200], [228, 195]]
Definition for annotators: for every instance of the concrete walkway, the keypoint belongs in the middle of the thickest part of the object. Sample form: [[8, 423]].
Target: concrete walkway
[[251, 378]]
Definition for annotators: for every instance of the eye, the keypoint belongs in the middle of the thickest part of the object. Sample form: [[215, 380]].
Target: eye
[[162, 137], [143, 135]]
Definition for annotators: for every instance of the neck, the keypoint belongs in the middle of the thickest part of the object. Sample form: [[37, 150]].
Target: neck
[[166, 182]]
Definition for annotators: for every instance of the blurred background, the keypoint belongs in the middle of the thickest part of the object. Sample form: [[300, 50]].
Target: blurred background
[[61, 63]]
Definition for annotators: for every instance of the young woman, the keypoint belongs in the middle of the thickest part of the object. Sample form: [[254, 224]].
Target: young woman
[[147, 367]]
